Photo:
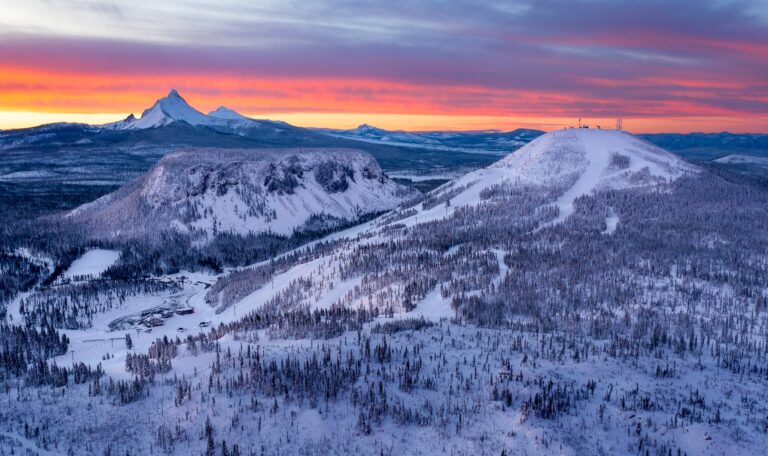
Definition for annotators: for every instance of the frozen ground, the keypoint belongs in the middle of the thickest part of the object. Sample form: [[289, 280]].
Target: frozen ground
[[92, 263]]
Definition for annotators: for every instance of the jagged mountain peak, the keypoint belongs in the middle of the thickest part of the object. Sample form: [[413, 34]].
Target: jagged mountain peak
[[169, 109]]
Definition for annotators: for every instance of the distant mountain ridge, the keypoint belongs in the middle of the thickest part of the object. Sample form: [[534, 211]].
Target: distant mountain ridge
[[711, 146], [183, 125], [569, 163], [112, 154], [698, 139], [495, 142], [61, 165]]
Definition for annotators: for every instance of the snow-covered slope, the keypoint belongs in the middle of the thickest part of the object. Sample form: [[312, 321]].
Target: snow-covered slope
[[558, 330], [573, 162], [246, 191], [173, 108], [223, 112], [550, 173]]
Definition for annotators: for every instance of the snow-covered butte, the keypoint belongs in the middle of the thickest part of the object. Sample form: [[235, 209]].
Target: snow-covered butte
[[209, 191], [603, 159], [576, 162]]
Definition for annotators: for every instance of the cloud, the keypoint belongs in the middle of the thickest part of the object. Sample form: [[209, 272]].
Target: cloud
[[544, 57]]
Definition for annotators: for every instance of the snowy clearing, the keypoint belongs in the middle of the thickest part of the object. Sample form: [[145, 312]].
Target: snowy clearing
[[92, 263]]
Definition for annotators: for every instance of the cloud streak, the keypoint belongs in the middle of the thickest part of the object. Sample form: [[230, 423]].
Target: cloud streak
[[607, 58]]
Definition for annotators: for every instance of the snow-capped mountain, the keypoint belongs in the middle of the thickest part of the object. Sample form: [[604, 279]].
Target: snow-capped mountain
[[570, 163], [169, 109], [173, 108], [494, 142], [180, 124], [223, 112], [246, 191]]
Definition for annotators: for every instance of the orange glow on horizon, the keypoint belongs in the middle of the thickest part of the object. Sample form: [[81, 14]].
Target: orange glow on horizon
[[30, 97], [422, 122]]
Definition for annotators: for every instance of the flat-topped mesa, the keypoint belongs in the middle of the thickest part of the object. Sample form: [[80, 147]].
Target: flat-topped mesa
[[209, 191]]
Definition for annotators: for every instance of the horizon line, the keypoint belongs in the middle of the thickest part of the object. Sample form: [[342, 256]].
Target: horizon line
[[414, 123]]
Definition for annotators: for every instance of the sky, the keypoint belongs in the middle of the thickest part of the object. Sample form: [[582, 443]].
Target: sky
[[661, 65]]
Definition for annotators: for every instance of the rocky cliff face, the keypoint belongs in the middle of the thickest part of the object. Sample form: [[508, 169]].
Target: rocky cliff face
[[211, 191]]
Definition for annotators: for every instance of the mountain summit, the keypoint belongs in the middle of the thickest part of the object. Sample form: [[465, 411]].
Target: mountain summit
[[169, 109], [173, 108], [565, 164], [582, 161], [223, 112]]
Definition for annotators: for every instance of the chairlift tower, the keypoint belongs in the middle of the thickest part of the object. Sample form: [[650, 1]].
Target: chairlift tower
[[620, 124]]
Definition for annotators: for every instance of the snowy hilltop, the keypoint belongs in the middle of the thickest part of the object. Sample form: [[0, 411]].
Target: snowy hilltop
[[280, 191], [573, 162]]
